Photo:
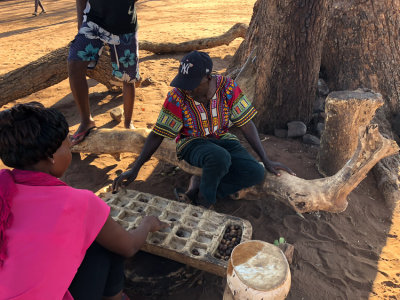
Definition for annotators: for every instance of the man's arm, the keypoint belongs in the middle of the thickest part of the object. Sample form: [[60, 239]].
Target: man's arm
[[249, 131], [80, 7], [152, 143]]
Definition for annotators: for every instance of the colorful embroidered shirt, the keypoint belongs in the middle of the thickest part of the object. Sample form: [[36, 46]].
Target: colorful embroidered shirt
[[185, 119]]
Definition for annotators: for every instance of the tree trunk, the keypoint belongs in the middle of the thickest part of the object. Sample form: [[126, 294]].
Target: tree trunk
[[47, 71], [362, 50], [287, 37]]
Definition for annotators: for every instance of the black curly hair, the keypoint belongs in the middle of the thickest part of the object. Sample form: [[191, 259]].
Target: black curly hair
[[30, 133]]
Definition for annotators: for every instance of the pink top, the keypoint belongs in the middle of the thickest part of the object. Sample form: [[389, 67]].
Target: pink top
[[53, 225]]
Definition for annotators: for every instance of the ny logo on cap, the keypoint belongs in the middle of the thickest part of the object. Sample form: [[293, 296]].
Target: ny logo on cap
[[185, 67]]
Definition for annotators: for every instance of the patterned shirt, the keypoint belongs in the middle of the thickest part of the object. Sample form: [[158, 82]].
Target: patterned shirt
[[185, 119]]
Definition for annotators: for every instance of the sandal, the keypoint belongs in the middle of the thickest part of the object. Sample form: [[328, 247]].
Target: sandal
[[79, 137]]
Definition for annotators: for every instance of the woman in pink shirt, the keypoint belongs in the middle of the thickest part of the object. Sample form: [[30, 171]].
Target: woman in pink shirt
[[56, 242]]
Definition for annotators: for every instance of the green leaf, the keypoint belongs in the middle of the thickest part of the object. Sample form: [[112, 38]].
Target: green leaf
[[282, 240], [276, 243]]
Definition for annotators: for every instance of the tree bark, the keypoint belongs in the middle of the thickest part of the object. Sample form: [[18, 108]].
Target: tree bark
[[346, 111], [362, 50], [52, 68], [287, 37], [329, 194]]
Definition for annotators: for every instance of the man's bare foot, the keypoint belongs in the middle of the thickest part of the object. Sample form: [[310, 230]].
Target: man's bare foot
[[194, 186]]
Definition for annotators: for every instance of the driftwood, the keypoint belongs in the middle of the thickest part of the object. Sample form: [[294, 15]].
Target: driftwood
[[52, 68], [329, 194]]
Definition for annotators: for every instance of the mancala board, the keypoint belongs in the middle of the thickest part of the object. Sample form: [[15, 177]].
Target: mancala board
[[197, 237]]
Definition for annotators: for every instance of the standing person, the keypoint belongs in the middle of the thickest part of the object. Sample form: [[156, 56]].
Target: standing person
[[103, 22], [197, 113], [38, 3], [50, 233]]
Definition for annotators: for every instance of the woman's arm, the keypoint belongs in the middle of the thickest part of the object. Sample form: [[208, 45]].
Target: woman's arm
[[116, 239]]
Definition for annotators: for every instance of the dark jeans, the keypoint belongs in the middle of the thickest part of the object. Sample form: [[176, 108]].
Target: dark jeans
[[227, 167], [101, 273]]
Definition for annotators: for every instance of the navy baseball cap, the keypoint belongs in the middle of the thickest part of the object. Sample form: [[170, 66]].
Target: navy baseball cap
[[193, 67]]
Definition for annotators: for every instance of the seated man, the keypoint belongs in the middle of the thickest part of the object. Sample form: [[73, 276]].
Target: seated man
[[197, 113]]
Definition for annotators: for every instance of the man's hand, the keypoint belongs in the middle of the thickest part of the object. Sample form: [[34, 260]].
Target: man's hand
[[274, 166], [154, 223], [124, 179]]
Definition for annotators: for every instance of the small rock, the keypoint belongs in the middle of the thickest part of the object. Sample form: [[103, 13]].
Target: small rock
[[281, 133], [296, 129], [146, 82], [310, 139], [323, 89], [320, 128], [116, 114], [319, 104]]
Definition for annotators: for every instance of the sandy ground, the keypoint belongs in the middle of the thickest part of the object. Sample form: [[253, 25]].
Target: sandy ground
[[351, 255]]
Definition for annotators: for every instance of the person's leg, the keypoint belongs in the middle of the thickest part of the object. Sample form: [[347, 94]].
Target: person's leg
[[36, 7], [80, 91], [41, 6], [215, 163], [194, 186], [82, 52], [129, 101], [100, 275], [245, 170], [125, 64]]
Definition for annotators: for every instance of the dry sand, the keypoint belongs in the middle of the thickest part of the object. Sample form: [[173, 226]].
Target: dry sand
[[351, 255]]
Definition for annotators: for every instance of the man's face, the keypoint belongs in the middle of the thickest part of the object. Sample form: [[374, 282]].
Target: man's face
[[200, 92]]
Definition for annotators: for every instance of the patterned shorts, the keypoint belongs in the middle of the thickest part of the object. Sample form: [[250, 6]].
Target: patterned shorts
[[89, 42]]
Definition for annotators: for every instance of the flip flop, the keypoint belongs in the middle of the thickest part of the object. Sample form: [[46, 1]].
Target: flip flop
[[180, 196], [79, 137]]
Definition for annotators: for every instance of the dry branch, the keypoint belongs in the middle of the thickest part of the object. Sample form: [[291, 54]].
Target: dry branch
[[329, 194], [52, 68]]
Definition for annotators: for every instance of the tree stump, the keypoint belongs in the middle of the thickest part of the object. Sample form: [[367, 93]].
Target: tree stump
[[346, 112]]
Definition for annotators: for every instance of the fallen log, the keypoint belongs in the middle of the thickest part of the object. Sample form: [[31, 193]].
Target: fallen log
[[328, 194], [236, 31], [52, 68]]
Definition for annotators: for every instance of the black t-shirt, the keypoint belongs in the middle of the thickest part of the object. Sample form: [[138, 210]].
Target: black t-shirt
[[115, 16]]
